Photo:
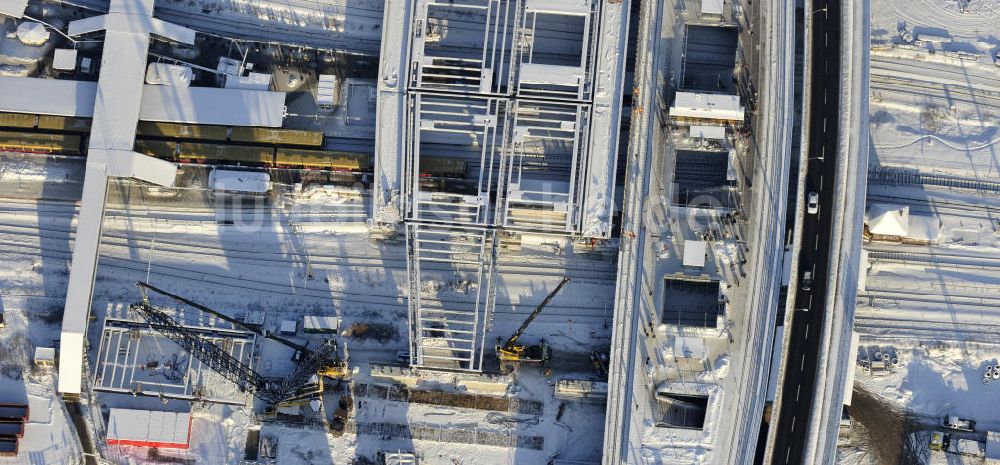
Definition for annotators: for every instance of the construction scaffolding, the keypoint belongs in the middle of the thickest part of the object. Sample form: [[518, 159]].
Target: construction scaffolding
[[463, 47], [453, 160], [544, 173], [451, 294]]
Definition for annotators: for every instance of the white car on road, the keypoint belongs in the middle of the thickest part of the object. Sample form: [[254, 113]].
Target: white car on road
[[812, 206]]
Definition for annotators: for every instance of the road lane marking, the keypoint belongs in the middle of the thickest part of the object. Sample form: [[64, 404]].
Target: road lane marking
[[810, 306], [826, 39], [807, 324], [824, 124], [788, 455], [821, 183], [824, 96], [823, 151], [814, 265], [816, 245], [802, 366], [798, 390], [793, 425]]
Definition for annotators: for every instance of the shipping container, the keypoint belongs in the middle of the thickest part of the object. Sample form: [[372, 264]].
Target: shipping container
[[8, 447], [182, 131], [64, 123], [14, 412], [277, 136], [12, 428]]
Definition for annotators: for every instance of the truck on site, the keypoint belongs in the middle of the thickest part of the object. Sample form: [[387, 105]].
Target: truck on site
[[953, 422]]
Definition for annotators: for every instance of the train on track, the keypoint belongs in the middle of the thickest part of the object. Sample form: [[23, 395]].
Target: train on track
[[205, 144]]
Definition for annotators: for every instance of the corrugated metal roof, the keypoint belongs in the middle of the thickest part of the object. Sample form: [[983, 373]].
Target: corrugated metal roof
[[149, 426]]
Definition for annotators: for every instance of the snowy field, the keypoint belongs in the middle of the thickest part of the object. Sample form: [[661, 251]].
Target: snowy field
[[935, 109], [305, 255]]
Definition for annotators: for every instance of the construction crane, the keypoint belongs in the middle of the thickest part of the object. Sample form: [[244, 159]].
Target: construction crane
[[322, 361], [511, 351], [336, 368]]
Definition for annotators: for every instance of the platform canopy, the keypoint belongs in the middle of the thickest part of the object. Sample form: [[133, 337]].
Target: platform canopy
[[720, 107]]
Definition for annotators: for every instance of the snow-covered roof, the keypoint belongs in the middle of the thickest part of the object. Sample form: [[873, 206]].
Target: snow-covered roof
[[64, 59], [694, 253], [579, 7], [194, 105], [167, 74], [149, 428], [326, 93], [924, 227], [210, 105], [13, 8], [254, 182], [708, 106], [63, 97], [253, 81], [690, 347], [887, 219], [712, 7], [708, 132], [287, 326], [993, 446], [45, 353], [320, 323]]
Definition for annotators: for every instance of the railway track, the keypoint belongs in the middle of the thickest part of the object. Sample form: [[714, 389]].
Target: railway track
[[915, 329], [960, 209], [254, 285], [937, 259], [951, 92]]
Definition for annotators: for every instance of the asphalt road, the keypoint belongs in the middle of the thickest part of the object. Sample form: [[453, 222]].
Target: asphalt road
[[798, 393]]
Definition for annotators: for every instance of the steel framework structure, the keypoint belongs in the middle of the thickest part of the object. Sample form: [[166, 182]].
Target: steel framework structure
[[467, 130], [448, 322], [544, 171]]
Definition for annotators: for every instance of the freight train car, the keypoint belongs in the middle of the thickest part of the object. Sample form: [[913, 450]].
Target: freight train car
[[275, 136], [63, 124], [45, 122], [182, 131], [321, 160], [31, 142], [193, 152], [443, 167], [166, 150], [17, 120]]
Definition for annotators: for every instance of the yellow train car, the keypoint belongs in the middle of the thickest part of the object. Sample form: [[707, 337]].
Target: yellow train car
[[17, 120], [162, 149], [225, 154], [276, 136], [28, 142], [64, 123], [182, 131], [322, 160], [445, 167]]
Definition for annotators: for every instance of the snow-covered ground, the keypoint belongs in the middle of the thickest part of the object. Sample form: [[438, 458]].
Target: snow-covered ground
[[935, 109], [259, 254]]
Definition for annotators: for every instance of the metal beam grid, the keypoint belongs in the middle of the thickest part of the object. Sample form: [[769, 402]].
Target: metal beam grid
[[127, 346], [547, 154], [463, 46], [451, 294], [557, 43], [466, 131]]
